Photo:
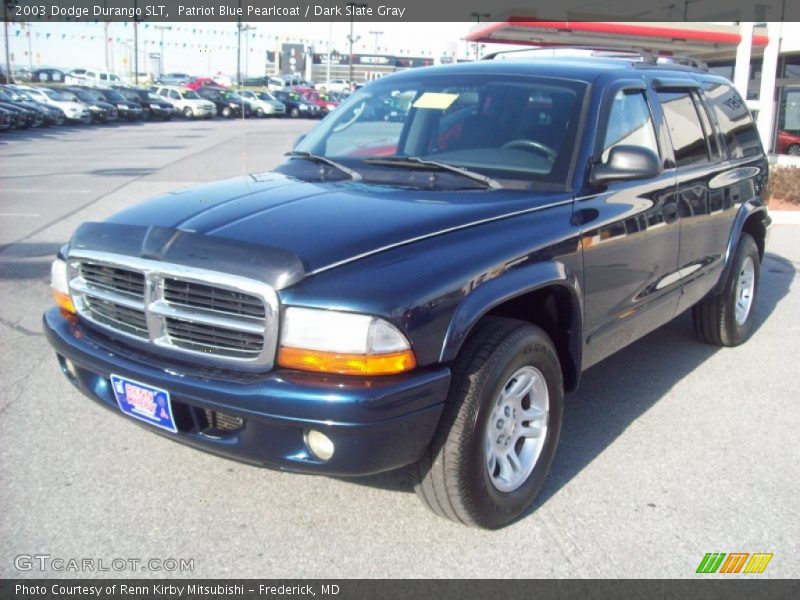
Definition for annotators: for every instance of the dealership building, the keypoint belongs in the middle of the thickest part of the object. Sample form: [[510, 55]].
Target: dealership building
[[762, 59]]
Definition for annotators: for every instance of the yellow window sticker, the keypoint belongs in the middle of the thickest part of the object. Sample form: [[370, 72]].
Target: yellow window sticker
[[435, 101]]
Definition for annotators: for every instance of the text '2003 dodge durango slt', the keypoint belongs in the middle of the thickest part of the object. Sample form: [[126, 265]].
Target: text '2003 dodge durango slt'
[[423, 290]]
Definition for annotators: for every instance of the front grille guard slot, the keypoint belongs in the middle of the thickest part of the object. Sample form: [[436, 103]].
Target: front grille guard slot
[[158, 312]]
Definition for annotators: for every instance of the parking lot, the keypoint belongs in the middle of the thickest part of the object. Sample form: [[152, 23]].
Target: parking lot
[[670, 449]]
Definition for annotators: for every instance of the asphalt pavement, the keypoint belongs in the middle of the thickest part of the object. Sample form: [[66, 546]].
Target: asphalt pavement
[[670, 449]]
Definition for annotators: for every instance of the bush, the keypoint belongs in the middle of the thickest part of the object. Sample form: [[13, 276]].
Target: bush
[[784, 185]]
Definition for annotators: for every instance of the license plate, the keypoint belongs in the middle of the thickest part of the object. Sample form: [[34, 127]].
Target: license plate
[[144, 402]]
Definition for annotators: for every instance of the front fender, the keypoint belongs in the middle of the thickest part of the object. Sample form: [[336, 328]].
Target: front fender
[[508, 286]]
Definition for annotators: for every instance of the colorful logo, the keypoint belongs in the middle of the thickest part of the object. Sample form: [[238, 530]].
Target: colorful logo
[[734, 562]]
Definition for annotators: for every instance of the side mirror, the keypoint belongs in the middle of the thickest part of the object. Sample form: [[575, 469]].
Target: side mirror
[[299, 139], [626, 163]]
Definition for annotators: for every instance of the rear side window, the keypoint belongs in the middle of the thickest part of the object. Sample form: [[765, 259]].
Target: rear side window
[[688, 137], [735, 122], [629, 123]]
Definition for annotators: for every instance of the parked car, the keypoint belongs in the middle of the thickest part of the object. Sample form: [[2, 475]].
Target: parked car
[[74, 110], [336, 85], [174, 79], [100, 111], [23, 118], [789, 142], [153, 105], [256, 81], [37, 116], [200, 82], [47, 76], [228, 103], [91, 78], [356, 312], [187, 102], [263, 104], [52, 114], [315, 98], [296, 105], [7, 119], [127, 109]]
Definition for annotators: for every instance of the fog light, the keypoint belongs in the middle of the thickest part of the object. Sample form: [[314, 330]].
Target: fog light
[[320, 444], [69, 369]]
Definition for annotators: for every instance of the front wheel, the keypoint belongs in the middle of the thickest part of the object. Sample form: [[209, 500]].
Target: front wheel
[[187, 113], [500, 426], [727, 318], [227, 112], [294, 113]]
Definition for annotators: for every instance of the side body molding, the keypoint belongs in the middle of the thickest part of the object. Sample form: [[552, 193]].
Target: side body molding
[[508, 286]]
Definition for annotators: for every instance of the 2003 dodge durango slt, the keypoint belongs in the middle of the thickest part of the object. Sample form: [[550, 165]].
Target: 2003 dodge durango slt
[[423, 290]]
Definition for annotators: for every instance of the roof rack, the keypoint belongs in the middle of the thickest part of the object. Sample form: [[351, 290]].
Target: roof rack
[[636, 54]]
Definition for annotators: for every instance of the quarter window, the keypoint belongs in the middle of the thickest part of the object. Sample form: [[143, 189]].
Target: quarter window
[[734, 119], [688, 137], [629, 123]]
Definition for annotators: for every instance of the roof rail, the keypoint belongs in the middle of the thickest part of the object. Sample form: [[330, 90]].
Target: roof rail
[[635, 54]]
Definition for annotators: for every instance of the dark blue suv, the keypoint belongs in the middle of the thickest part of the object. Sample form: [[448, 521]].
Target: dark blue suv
[[424, 289]]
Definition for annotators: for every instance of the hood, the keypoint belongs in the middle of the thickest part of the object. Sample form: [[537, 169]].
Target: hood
[[325, 223]]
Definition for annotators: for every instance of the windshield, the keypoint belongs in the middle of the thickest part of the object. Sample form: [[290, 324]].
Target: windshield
[[87, 96], [52, 94], [113, 96], [190, 95], [519, 131], [230, 96], [265, 96]]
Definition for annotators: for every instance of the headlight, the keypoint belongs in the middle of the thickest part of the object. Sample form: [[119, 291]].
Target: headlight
[[95, 108], [336, 342], [121, 106], [59, 287], [233, 105]]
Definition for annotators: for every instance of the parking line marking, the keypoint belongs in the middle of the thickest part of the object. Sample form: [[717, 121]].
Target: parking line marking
[[35, 191], [20, 215]]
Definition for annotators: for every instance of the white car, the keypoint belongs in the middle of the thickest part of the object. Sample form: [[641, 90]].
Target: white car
[[186, 102], [264, 104], [74, 111], [91, 78], [336, 85]]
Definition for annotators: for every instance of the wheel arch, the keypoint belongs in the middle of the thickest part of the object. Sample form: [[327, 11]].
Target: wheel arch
[[752, 219], [545, 294]]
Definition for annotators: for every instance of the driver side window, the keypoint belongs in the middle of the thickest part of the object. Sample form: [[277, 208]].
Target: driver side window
[[629, 123]]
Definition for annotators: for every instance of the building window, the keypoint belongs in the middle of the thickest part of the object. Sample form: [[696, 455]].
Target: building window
[[788, 136]]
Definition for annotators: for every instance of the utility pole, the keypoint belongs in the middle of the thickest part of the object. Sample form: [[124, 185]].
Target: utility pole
[[375, 45], [238, 47], [30, 47], [162, 29], [328, 65], [478, 17], [9, 72], [244, 30], [350, 38], [135, 43]]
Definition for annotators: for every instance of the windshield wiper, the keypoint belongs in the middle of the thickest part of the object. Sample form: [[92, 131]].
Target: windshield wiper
[[414, 162], [319, 159]]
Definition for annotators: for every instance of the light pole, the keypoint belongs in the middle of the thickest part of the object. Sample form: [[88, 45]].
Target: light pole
[[244, 30], [375, 45], [9, 74], [478, 17], [162, 29], [351, 39]]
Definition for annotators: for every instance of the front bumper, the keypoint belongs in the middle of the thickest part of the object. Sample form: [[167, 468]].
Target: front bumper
[[375, 424]]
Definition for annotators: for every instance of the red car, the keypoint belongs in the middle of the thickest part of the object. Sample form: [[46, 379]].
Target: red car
[[316, 98], [204, 82], [788, 143]]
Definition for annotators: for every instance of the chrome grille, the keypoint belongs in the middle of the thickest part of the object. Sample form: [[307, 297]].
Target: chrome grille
[[198, 295], [215, 317]]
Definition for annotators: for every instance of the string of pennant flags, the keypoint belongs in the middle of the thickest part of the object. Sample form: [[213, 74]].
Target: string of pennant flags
[[227, 39]]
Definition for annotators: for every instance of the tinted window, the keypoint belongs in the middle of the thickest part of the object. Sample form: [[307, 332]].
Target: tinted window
[[688, 137], [629, 123], [735, 122], [174, 95]]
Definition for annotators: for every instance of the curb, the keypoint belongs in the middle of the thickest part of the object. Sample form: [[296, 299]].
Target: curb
[[785, 217]]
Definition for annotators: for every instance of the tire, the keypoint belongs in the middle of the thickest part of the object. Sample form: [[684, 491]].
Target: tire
[[294, 113], [260, 113], [187, 113], [453, 477], [716, 319], [794, 150], [226, 112]]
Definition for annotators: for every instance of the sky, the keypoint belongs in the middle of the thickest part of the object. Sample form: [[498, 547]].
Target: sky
[[210, 48]]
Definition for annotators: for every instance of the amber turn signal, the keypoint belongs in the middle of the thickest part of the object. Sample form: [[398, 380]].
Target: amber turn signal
[[346, 364]]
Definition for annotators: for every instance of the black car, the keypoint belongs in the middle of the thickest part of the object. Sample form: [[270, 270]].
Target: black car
[[100, 111], [126, 108], [296, 105], [423, 293], [228, 103], [28, 116], [7, 119], [52, 114], [153, 106]]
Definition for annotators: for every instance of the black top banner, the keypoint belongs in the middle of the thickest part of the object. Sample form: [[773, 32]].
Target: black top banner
[[401, 10]]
